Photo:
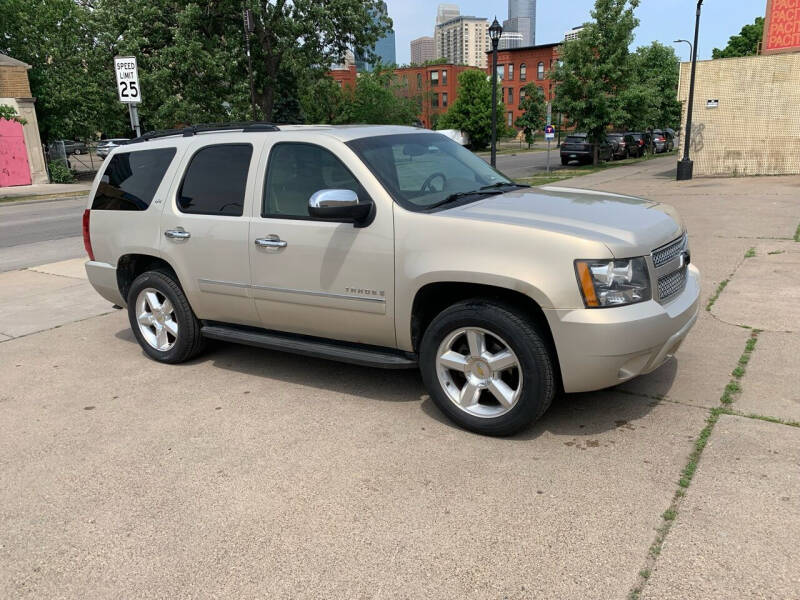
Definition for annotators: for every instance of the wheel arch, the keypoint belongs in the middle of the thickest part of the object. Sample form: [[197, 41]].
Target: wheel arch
[[130, 266]]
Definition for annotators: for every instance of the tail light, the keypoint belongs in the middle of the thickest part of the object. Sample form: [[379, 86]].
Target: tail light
[[87, 238], [641, 142]]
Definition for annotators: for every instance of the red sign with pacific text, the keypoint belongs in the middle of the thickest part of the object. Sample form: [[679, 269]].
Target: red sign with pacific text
[[782, 26]]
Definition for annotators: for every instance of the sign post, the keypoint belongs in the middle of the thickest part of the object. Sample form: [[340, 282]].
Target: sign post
[[128, 89], [549, 134]]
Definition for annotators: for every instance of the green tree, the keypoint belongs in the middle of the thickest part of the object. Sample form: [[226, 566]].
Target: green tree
[[744, 44], [75, 98], [535, 112], [9, 113], [377, 99], [472, 110], [595, 68], [324, 101], [650, 100]]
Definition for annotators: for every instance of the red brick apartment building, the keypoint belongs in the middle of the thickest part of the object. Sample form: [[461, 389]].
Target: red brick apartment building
[[436, 86]]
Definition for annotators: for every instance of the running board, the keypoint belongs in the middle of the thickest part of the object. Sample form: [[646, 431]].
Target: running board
[[366, 356]]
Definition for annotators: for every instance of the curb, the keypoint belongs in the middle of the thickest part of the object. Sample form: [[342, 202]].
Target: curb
[[42, 197]]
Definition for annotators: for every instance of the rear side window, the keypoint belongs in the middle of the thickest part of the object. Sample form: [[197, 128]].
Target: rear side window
[[574, 139], [215, 181], [131, 179]]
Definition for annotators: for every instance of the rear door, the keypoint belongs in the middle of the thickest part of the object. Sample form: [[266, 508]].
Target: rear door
[[205, 225]]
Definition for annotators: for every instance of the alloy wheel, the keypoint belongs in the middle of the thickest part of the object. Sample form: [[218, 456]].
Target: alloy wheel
[[156, 318]]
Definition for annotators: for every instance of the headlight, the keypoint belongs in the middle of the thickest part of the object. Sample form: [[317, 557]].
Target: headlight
[[613, 282]]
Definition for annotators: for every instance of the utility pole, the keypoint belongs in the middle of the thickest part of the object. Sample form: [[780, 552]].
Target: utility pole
[[685, 165], [249, 27]]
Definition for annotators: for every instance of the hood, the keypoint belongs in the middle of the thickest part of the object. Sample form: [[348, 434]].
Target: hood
[[629, 226]]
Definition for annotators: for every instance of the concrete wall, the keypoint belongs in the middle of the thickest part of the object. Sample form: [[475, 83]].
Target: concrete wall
[[755, 130]]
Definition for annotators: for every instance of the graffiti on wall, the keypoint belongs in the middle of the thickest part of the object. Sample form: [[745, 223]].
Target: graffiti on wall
[[14, 168]]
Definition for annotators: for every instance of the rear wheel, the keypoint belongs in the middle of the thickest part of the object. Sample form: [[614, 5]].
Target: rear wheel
[[161, 319], [564, 162], [487, 368]]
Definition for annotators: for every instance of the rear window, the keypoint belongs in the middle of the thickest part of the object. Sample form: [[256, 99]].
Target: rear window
[[574, 139], [130, 179], [215, 181]]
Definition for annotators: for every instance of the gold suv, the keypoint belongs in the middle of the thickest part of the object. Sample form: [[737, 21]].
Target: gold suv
[[390, 247]]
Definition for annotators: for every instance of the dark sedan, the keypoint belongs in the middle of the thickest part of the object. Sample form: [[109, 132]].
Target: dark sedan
[[577, 147]]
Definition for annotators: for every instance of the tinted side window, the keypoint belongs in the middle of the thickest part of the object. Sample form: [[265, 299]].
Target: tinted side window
[[130, 179], [215, 181], [296, 171]]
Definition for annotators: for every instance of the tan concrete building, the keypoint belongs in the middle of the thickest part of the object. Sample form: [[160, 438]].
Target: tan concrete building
[[463, 41], [15, 91], [423, 49], [746, 117]]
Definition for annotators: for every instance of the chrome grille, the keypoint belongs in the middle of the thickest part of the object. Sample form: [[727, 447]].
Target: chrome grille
[[663, 255], [671, 284]]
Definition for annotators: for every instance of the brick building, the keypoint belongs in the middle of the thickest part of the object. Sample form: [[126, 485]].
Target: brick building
[[21, 156], [345, 76], [518, 67]]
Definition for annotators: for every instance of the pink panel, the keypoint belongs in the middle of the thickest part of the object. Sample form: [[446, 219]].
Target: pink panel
[[14, 169]]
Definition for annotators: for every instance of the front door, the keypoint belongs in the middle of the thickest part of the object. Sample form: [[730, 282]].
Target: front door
[[320, 278], [205, 227]]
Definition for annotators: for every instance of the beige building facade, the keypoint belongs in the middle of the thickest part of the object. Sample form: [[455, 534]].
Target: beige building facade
[[15, 91], [463, 41], [746, 117], [423, 49]]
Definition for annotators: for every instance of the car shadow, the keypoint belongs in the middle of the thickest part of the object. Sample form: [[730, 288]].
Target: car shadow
[[570, 415]]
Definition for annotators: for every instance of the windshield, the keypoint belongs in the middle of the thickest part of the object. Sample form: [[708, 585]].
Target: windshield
[[421, 170]]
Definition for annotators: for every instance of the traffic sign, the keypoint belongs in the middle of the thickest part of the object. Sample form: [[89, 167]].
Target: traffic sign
[[127, 74], [549, 132]]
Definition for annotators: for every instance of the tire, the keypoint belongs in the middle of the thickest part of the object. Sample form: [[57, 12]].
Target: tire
[[564, 162], [528, 386], [77, 151], [181, 339]]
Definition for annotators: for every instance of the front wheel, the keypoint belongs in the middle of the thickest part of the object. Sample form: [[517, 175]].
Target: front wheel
[[487, 367], [161, 319]]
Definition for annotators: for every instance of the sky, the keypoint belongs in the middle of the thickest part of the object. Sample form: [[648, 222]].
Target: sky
[[660, 20]]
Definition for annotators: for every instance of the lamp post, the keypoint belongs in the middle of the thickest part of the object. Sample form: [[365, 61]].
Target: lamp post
[[685, 42], [685, 165], [495, 31]]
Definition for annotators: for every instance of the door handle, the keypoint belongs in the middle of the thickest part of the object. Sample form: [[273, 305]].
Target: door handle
[[177, 234], [271, 241]]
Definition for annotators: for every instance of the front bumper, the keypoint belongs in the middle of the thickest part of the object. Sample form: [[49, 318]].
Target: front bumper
[[602, 347], [103, 278]]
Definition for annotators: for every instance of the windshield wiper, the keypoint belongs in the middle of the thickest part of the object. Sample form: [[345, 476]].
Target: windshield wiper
[[487, 190]]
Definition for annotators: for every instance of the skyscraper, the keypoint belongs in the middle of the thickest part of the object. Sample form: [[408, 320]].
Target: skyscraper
[[522, 19], [463, 41], [384, 48], [447, 12], [423, 49]]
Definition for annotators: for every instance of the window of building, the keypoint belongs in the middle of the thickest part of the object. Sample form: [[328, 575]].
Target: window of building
[[419, 81], [435, 101], [501, 72], [510, 118], [131, 179], [540, 71], [511, 72], [511, 95], [444, 77], [434, 77], [295, 172], [444, 99], [215, 181], [523, 72], [521, 95]]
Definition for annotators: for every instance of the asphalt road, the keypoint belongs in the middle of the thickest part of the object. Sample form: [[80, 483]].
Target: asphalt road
[[40, 232], [526, 163]]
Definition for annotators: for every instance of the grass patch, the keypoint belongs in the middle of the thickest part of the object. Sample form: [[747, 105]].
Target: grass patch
[[718, 291], [750, 253], [776, 252], [736, 413], [797, 234]]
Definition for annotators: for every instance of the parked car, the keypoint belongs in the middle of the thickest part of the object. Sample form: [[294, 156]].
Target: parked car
[[619, 147], [106, 146], [576, 147], [74, 147], [663, 141], [637, 143], [388, 247]]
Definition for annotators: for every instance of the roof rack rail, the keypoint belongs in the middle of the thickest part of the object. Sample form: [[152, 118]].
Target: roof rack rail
[[190, 130]]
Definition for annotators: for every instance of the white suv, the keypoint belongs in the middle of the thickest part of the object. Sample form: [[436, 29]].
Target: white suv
[[390, 247]]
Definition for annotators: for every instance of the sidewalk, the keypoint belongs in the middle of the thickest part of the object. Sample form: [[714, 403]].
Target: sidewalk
[[44, 191]]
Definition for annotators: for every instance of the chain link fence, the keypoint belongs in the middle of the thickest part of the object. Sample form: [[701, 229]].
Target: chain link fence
[[78, 158]]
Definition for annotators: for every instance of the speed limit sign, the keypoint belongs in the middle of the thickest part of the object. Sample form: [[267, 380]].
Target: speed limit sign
[[128, 88]]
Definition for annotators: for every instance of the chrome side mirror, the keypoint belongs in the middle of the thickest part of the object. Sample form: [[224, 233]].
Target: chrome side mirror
[[339, 205]]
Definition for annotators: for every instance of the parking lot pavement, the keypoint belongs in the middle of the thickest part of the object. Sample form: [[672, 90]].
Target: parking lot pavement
[[772, 382], [48, 296], [250, 472], [736, 534]]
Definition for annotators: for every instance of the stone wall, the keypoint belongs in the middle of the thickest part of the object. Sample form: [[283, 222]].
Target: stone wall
[[755, 129]]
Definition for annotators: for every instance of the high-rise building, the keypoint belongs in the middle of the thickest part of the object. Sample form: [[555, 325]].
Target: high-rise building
[[463, 41], [573, 33], [384, 49], [510, 39], [447, 12], [522, 19], [423, 49]]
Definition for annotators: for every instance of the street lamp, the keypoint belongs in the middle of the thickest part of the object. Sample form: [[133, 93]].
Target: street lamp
[[685, 165], [495, 31], [687, 42]]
